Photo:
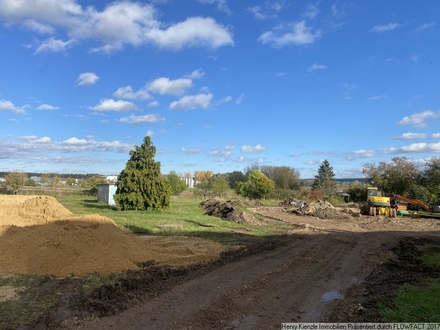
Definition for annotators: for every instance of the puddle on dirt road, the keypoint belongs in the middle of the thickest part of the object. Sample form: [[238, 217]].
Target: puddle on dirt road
[[331, 295]]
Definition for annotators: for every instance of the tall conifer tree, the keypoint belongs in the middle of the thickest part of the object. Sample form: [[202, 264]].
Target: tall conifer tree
[[141, 185], [325, 179]]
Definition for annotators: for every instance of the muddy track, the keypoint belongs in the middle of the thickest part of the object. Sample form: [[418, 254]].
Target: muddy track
[[301, 280]]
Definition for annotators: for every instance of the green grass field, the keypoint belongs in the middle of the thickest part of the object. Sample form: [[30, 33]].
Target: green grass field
[[185, 217]]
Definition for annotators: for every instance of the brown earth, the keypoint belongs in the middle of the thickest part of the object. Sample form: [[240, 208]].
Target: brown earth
[[333, 265], [323, 270], [39, 236]]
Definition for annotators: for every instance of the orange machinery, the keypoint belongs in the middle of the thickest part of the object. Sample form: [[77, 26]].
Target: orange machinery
[[399, 203]]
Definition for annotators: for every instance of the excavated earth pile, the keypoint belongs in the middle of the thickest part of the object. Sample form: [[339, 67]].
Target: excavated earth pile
[[319, 209], [229, 210], [39, 236]]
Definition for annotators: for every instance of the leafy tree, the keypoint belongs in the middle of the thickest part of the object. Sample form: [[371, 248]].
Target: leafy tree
[[284, 177], [30, 183], [393, 178], [44, 179], [257, 185], [235, 177], [203, 181], [324, 180], [70, 181], [56, 180], [141, 185], [220, 184], [16, 179], [177, 185], [430, 178]]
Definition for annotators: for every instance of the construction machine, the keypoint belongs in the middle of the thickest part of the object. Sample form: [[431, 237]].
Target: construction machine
[[399, 202], [377, 204]]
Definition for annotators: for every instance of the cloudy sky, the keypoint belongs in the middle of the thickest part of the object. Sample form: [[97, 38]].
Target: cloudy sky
[[218, 84]]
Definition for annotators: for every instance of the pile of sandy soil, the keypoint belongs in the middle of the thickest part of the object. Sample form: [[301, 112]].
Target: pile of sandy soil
[[30, 210], [39, 236]]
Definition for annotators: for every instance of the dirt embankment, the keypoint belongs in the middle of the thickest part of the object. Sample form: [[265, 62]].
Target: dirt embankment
[[39, 236]]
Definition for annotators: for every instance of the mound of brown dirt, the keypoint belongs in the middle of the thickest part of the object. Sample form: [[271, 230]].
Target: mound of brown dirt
[[228, 210], [79, 245], [319, 209]]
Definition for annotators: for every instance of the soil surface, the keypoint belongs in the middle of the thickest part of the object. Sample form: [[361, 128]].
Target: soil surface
[[40, 236], [329, 267]]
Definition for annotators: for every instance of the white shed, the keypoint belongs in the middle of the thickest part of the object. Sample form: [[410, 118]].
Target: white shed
[[106, 193]]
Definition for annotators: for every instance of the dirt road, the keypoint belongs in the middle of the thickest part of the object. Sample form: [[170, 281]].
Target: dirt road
[[301, 280]]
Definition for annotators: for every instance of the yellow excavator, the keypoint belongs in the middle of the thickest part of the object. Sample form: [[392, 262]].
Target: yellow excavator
[[377, 204]]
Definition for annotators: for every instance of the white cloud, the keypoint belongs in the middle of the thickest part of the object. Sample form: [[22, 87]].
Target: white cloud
[[38, 27], [316, 67], [112, 105], [225, 100], [311, 11], [435, 135], [270, 10], [425, 26], [33, 147], [337, 12], [253, 149], [385, 27], [118, 24], [87, 78], [9, 106], [153, 104], [239, 99], [191, 151], [35, 139], [193, 32], [412, 136], [47, 107], [190, 102], [257, 12], [53, 45], [415, 148], [164, 85], [377, 97], [296, 33], [418, 120], [132, 119], [128, 93], [222, 5], [363, 153], [196, 74], [414, 58]]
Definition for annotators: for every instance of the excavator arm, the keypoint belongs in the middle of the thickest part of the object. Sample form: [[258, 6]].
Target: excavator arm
[[396, 198]]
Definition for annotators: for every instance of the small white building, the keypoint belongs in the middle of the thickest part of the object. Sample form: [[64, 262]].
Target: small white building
[[189, 181], [106, 193], [111, 178]]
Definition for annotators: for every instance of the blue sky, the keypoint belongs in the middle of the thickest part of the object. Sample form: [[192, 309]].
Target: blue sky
[[218, 84]]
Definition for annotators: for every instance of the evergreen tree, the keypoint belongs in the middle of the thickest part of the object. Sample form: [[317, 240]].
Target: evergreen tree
[[140, 185], [324, 180]]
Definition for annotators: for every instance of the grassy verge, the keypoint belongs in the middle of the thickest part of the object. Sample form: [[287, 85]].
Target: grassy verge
[[419, 302], [415, 303]]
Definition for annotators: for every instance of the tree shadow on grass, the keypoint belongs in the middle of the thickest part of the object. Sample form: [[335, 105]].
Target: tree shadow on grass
[[94, 204]]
